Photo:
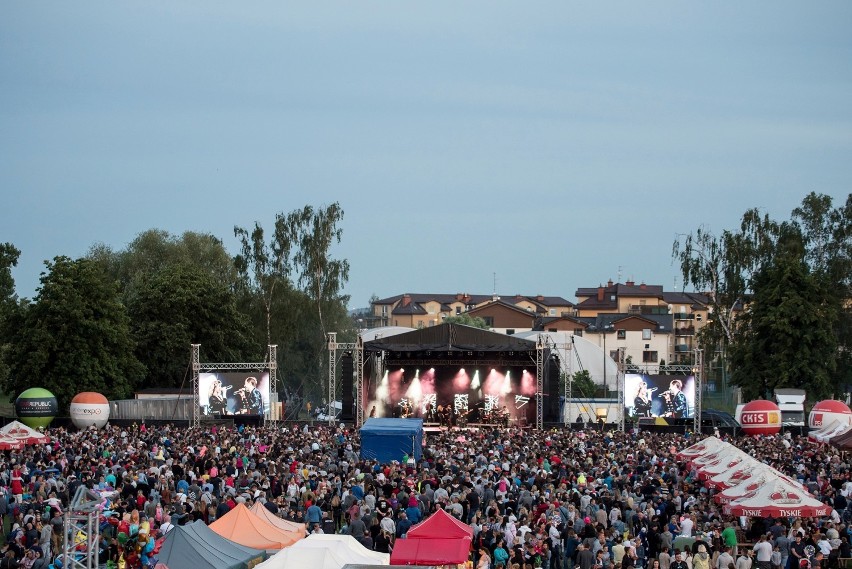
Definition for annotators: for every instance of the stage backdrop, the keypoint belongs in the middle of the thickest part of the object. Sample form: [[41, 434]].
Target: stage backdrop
[[661, 396], [234, 393]]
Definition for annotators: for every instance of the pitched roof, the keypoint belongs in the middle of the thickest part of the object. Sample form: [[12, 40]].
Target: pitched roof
[[501, 303], [449, 337], [663, 323]]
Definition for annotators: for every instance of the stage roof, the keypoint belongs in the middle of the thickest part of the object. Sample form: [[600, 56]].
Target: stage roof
[[450, 337]]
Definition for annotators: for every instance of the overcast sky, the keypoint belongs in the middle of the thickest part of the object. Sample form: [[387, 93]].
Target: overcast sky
[[553, 144]]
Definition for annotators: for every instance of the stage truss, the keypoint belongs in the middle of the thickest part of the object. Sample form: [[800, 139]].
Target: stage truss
[[82, 518], [197, 367], [335, 352]]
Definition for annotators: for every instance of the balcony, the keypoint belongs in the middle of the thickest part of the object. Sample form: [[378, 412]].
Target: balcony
[[681, 348], [684, 330], [683, 316]]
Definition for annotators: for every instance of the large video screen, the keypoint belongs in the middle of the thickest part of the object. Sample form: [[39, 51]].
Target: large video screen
[[666, 396], [234, 393]]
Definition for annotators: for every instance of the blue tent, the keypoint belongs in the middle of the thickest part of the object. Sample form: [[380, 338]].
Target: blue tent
[[391, 439]]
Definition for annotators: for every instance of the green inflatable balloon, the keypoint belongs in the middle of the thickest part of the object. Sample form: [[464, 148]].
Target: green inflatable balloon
[[36, 407]]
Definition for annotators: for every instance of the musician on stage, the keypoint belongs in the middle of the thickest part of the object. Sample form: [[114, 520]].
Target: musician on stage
[[251, 401], [676, 405], [217, 398], [642, 401]]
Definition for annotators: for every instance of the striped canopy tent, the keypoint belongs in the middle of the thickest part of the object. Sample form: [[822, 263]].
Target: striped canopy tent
[[701, 447], [777, 499]]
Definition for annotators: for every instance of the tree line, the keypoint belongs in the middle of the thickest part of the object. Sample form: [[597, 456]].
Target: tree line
[[117, 321], [781, 298]]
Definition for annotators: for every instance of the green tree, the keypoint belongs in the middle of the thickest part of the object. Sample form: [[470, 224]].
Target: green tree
[[291, 287], [467, 320], [180, 305], [787, 333], [9, 305], [740, 269], [582, 385], [75, 336], [154, 249]]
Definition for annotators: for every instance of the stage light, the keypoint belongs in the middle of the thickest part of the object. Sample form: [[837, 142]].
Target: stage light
[[462, 370], [506, 388], [431, 370], [475, 384]]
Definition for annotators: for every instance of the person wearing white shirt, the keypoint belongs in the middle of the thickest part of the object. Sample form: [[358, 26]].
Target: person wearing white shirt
[[686, 525]]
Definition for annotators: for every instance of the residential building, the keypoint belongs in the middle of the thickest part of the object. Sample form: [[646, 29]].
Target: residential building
[[653, 326], [424, 310]]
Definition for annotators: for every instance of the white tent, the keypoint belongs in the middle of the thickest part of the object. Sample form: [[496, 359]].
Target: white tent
[[308, 557], [324, 551], [339, 542]]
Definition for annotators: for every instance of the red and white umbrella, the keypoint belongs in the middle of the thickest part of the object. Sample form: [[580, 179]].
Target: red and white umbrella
[[11, 444], [727, 463], [701, 447], [735, 477], [722, 453], [778, 499], [18, 431]]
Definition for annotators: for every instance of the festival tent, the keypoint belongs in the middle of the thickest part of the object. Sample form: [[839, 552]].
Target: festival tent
[[735, 477], [261, 511], [19, 431], [701, 447], [324, 553], [347, 543], [778, 499], [193, 546], [441, 525], [430, 551], [385, 440], [242, 526]]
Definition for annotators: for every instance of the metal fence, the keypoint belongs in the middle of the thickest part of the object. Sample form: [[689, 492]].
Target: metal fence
[[152, 409]]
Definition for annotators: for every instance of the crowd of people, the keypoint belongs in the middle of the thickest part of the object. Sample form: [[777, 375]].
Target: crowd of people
[[557, 498]]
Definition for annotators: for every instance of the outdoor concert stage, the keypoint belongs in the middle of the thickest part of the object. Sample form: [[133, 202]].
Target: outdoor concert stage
[[453, 375]]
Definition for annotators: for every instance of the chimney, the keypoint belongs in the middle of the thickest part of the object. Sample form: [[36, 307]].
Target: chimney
[[609, 283], [630, 283], [539, 298], [406, 299], [600, 294], [459, 296], [642, 286]]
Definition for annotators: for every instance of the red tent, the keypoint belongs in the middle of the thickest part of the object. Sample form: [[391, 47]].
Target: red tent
[[441, 525], [433, 551]]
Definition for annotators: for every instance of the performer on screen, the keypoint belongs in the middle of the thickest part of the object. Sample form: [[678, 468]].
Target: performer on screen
[[251, 399], [642, 401], [217, 400], [676, 405]]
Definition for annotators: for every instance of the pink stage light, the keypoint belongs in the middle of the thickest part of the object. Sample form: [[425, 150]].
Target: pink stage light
[[427, 382], [493, 383], [527, 383], [461, 381]]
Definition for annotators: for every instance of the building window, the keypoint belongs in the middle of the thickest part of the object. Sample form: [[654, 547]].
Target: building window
[[553, 312], [384, 310], [510, 331], [698, 317], [646, 333], [552, 330], [458, 310], [621, 334], [489, 321], [577, 331], [649, 357], [420, 325]]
